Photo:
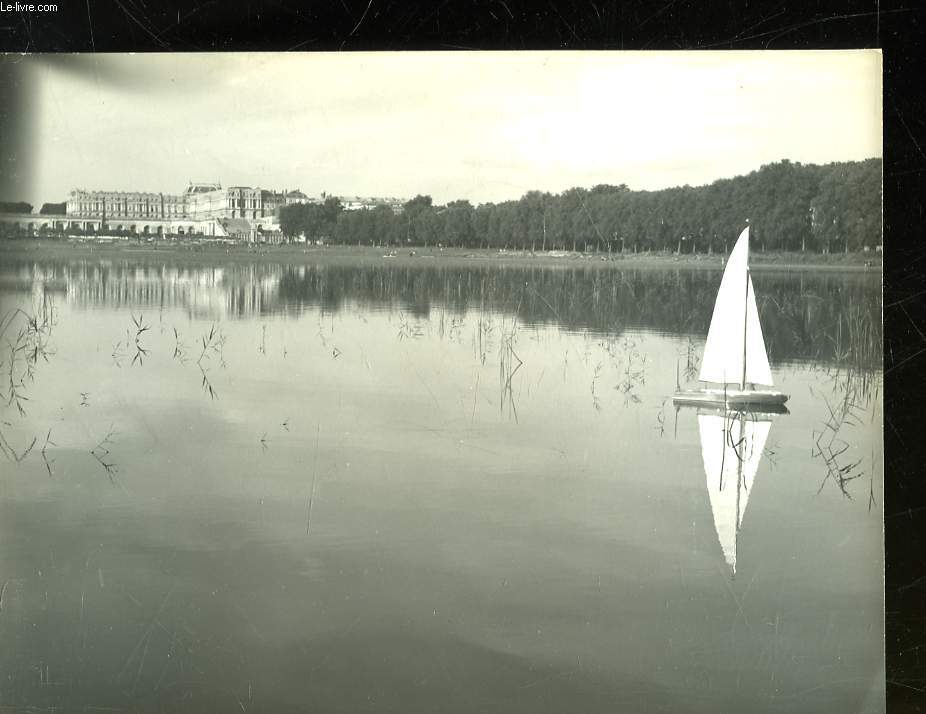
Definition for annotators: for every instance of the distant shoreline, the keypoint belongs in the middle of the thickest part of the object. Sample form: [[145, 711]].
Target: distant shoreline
[[198, 252]]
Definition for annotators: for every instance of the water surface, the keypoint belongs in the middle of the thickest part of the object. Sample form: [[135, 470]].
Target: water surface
[[371, 488]]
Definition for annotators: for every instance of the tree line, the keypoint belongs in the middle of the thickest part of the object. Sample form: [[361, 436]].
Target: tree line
[[790, 207], [48, 209]]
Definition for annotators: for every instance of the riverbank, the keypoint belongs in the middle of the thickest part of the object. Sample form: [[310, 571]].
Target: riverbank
[[205, 252]]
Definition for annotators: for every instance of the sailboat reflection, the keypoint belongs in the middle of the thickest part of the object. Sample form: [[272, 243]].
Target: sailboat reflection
[[732, 444]]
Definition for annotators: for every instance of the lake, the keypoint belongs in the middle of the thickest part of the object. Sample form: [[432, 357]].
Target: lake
[[420, 488]]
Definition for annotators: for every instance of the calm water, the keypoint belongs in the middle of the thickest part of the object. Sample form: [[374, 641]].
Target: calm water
[[379, 488]]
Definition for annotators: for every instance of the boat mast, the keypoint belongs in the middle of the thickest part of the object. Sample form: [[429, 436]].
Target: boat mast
[[745, 323]]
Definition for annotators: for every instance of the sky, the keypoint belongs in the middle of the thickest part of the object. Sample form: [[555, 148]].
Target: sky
[[480, 126]]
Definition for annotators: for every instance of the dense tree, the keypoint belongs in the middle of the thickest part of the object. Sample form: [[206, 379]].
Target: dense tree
[[790, 206], [15, 207], [53, 209], [312, 220]]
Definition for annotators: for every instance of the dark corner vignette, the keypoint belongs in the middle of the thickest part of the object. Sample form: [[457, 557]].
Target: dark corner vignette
[[17, 112]]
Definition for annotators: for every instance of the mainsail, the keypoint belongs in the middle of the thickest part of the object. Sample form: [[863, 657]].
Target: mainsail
[[731, 447], [735, 332]]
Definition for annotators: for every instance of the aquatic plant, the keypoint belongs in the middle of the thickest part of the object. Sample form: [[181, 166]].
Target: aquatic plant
[[30, 344], [44, 453], [10, 452], [830, 447], [595, 401], [101, 453], [661, 418], [180, 349], [408, 329], [213, 345], [632, 373], [140, 351], [508, 365]]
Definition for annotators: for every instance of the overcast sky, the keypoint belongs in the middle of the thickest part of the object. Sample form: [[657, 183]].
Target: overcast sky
[[482, 126]]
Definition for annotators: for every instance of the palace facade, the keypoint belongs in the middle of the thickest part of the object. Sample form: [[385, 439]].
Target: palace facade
[[200, 201]]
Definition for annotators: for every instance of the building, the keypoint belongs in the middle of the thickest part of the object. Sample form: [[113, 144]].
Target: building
[[123, 204], [199, 202], [368, 203], [202, 209]]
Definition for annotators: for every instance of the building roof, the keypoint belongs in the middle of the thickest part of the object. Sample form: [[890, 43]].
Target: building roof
[[203, 187]]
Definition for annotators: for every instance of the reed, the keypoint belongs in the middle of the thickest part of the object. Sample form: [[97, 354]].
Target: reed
[[44, 453], [830, 447], [595, 401], [632, 372], [11, 453], [661, 418], [101, 453], [508, 365], [30, 346], [180, 349], [140, 351], [206, 384], [213, 345], [409, 330]]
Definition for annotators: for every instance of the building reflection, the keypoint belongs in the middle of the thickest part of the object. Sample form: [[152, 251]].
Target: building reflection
[[831, 316]]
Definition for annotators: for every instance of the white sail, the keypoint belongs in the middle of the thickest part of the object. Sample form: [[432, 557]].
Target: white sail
[[731, 447], [735, 328]]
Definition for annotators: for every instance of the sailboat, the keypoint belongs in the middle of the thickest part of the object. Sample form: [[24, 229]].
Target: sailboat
[[734, 355], [732, 444]]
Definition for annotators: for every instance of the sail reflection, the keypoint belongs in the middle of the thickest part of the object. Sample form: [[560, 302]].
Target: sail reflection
[[732, 444]]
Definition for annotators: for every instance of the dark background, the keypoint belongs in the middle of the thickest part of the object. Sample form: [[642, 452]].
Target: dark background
[[351, 25]]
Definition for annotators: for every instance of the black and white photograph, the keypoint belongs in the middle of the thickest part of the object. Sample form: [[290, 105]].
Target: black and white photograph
[[442, 382]]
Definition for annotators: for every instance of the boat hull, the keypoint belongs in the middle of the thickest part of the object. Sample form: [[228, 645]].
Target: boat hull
[[733, 399]]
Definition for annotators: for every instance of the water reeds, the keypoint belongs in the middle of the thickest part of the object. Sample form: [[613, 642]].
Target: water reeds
[[140, 351], [482, 338], [30, 344], [11, 453], [101, 453], [632, 372], [213, 345], [44, 453], [409, 330], [830, 447], [661, 418], [595, 401], [692, 361], [180, 349], [508, 365]]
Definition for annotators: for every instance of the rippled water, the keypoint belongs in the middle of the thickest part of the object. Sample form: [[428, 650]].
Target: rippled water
[[390, 488]]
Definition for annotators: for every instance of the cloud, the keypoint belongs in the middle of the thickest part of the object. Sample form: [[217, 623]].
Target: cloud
[[484, 126]]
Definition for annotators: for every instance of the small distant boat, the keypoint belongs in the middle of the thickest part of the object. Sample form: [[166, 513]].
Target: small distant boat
[[734, 355]]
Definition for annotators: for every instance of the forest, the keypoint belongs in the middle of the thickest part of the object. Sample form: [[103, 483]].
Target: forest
[[790, 207]]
